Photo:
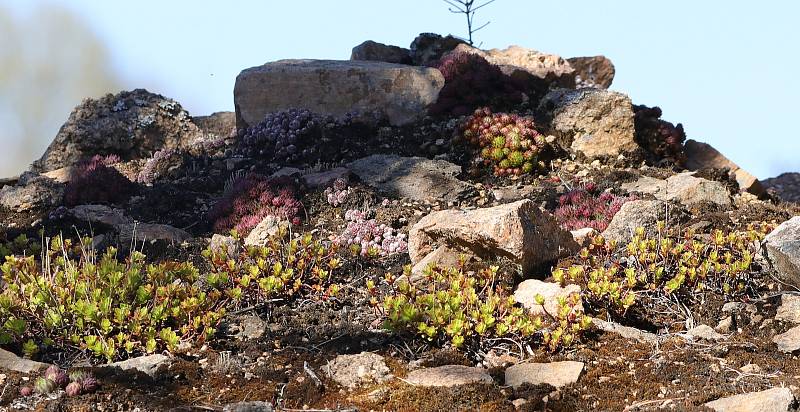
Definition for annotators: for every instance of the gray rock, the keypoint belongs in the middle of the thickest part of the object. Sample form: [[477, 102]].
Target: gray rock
[[222, 124], [148, 364], [150, 232], [12, 362], [783, 250], [415, 178], [332, 87], [442, 256], [428, 48], [100, 214], [682, 187], [254, 406], [557, 374], [594, 122], [374, 51], [224, 244], [325, 178], [264, 231], [526, 292], [789, 310], [448, 375], [633, 214], [37, 192], [518, 231], [132, 124], [626, 332], [595, 71], [788, 341], [352, 371], [705, 332], [770, 400]]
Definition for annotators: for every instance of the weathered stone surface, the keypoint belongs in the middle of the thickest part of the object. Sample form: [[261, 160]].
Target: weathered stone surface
[[701, 155], [441, 256], [325, 178], [149, 232], [682, 187], [428, 48], [100, 214], [527, 290], [352, 371], [786, 186], [254, 406], [788, 341], [598, 123], [626, 332], [633, 214], [557, 374], [783, 250], [448, 375], [263, 231], [146, 364], [222, 124], [594, 71], [770, 400], [224, 244], [416, 178], [551, 68], [705, 332], [789, 310], [583, 235], [131, 124], [332, 87], [60, 175], [518, 231], [37, 192], [374, 51], [12, 362]]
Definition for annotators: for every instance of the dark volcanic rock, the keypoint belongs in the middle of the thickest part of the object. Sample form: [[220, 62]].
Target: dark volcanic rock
[[374, 51], [594, 71]]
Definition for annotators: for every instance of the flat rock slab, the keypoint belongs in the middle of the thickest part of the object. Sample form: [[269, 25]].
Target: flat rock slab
[[557, 374], [626, 332], [682, 187], [789, 310], [448, 375], [12, 362], [788, 341], [148, 364], [770, 400], [351, 371], [415, 178], [518, 231], [336, 87], [783, 250], [528, 290], [255, 406]]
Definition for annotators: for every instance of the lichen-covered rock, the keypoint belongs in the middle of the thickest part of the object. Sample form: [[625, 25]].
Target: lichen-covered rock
[[374, 51], [130, 124], [702, 155], [783, 250], [556, 374], [682, 187], [34, 192], [594, 122], [416, 178], [594, 71], [428, 48], [518, 231], [334, 87], [351, 371]]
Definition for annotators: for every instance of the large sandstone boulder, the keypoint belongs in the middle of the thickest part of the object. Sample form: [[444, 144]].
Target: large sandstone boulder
[[594, 71], [594, 122], [518, 231], [783, 250], [379, 52], [335, 87], [130, 124], [701, 155], [415, 178]]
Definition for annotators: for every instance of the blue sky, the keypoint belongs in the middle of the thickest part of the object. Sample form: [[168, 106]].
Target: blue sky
[[722, 68]]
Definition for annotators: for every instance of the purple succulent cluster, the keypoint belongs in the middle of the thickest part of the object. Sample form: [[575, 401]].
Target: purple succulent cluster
[[371, 237], [158, 165], [55, 378], [281, 135], [252, 198], [585, 207], [96, 181], [659, 137], [338, 192], [471, 82]]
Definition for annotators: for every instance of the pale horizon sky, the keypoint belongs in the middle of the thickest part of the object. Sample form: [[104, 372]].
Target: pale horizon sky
[[722, 68]]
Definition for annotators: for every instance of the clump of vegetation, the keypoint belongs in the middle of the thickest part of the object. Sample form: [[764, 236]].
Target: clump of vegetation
[[659, 137], [665, 264], [463, 308], [368, 237], [472, 82], [509, 143], [112, 309], [338, 192], [21, 245], [282, 269], [252, 198], [282, 135], [158, 165], [96, 181], [54, 378], [587, 207]]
